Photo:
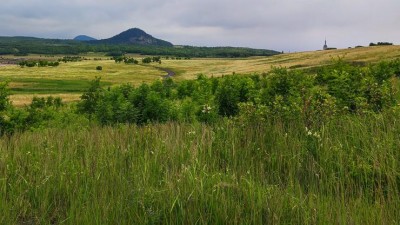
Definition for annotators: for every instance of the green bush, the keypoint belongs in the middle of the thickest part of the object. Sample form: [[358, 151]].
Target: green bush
[[146, 60], [4, 93], [40, 63], [90, 98], [38, 114], [231, 91]]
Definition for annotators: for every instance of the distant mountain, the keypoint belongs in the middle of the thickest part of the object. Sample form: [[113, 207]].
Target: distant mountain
[[134, 41], [135, 36], [84, 38]]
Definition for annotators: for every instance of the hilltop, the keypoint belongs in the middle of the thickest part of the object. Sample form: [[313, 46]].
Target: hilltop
[[135, 36], [84, 38]]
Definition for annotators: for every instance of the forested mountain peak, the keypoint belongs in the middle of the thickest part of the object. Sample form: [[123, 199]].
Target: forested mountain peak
[[135, 36]]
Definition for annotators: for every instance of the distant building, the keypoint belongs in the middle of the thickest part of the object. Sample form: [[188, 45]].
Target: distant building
[[325, 46]]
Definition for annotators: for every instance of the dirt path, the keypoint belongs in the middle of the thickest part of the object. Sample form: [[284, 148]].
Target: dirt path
[[169, 72]]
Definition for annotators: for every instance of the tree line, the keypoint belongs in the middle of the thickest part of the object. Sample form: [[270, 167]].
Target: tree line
[[24, 46]]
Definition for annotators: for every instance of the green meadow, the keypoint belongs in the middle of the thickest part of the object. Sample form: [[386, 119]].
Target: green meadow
[[346, 172], [301, 138]]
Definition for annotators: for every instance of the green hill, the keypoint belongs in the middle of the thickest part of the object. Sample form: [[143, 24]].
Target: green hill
[[135, 36], [84, 38]]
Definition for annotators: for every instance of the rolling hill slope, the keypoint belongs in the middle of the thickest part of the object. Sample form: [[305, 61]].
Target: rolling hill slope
[[189, 69]]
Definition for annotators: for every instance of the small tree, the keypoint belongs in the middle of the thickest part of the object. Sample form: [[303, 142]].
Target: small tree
[[5, 125], [22, 63], [156, 58], [30, 64], [43, 63], [4, 93], [146, 60], [90, 98], [99, 68]]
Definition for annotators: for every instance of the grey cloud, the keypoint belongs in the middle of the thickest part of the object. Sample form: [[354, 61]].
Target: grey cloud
[[289, 25]]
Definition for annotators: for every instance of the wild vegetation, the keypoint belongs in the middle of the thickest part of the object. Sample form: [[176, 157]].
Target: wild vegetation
[[345, 172], [310, 146]]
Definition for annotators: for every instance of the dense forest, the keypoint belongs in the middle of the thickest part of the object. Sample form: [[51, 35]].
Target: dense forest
[[28, 45]]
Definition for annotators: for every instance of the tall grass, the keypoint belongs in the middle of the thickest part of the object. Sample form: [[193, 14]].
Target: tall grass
[[346, 171]]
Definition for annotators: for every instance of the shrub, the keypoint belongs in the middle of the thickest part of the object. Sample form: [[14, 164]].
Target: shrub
[[42, 63], [114, 107], [146, 60], [30, 64], [228, 97], [156, 59], [4, 93], [54, 64], [90, 98]]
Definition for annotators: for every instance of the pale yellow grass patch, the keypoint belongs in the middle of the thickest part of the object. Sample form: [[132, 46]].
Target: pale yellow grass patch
[[189, 69], [25, 99], [115, 73]]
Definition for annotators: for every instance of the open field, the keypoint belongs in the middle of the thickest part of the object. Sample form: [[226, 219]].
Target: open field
[[196, 174], [189, 69], [73, 77], [83, 71], [284, 148]]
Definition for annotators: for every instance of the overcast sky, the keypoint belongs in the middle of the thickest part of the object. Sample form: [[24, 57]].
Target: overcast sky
[[282, 25]]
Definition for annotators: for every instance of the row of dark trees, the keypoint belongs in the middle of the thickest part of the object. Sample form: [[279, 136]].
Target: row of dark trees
[[130, 60], [125, 59], [380, 43], [40, 63], [45, 63], [66, 59], [152, 59]]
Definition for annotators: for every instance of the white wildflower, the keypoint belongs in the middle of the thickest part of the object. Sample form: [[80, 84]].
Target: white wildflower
[[206, 109]]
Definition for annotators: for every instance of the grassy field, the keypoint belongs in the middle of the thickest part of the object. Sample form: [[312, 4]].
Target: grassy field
[[189, 69], [345, 172], [270, 164], [70, 79]]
